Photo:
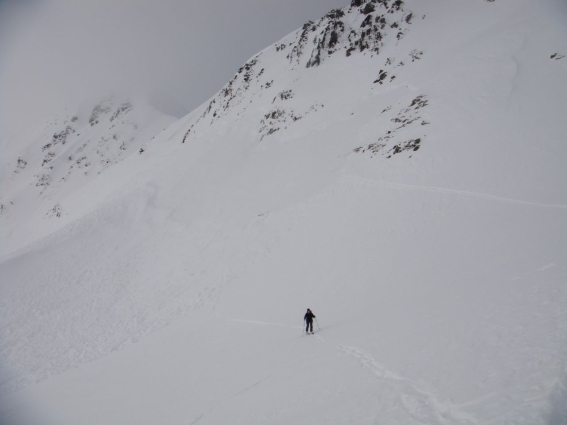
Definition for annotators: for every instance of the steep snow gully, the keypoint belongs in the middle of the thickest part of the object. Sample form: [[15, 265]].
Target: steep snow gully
[[396, 166]]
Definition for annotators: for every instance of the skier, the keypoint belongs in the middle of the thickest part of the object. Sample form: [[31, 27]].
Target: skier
[[309, 316]]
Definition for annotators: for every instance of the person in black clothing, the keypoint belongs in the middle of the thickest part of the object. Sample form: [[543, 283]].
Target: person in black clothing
[[309, 316]]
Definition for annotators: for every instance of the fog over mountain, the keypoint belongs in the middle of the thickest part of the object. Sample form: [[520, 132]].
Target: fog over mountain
[[55, 53]]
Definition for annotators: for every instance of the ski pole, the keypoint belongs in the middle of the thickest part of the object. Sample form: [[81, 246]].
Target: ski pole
[[318, 328]]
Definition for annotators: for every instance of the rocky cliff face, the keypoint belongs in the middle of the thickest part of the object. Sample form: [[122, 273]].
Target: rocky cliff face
[[368, 28]]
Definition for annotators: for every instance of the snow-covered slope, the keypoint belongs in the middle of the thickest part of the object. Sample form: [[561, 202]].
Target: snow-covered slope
[[64, 157], [395, 166]]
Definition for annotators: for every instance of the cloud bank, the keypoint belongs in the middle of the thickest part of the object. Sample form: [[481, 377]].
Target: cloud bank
[[56, 53]]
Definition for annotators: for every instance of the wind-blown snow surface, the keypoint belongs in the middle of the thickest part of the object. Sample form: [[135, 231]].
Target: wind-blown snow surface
[[423, 218]]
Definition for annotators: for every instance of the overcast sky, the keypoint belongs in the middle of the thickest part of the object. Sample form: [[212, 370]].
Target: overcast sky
[[56, 53]]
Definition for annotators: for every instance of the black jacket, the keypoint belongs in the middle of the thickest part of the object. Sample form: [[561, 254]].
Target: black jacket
[[309, 316]]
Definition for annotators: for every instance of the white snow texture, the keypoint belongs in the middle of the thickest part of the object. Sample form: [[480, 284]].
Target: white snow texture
[[397, 167]]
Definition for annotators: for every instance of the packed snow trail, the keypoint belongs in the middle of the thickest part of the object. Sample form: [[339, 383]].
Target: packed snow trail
[[401, 186], [420, 405]]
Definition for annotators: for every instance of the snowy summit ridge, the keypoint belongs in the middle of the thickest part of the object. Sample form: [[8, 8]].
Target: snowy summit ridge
[[396, 166], [365, 27]]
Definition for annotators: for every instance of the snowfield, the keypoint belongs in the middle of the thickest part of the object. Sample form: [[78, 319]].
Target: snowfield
[[397, 167]]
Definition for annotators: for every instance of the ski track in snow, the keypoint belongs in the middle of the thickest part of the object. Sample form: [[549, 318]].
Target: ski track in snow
[[221, 402], [540, 269], [317, 338], [421, 405], [402, 186], [257, 322]]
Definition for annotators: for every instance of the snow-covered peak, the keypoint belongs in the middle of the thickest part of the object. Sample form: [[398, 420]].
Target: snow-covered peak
[[70, 151], [364, 28]]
